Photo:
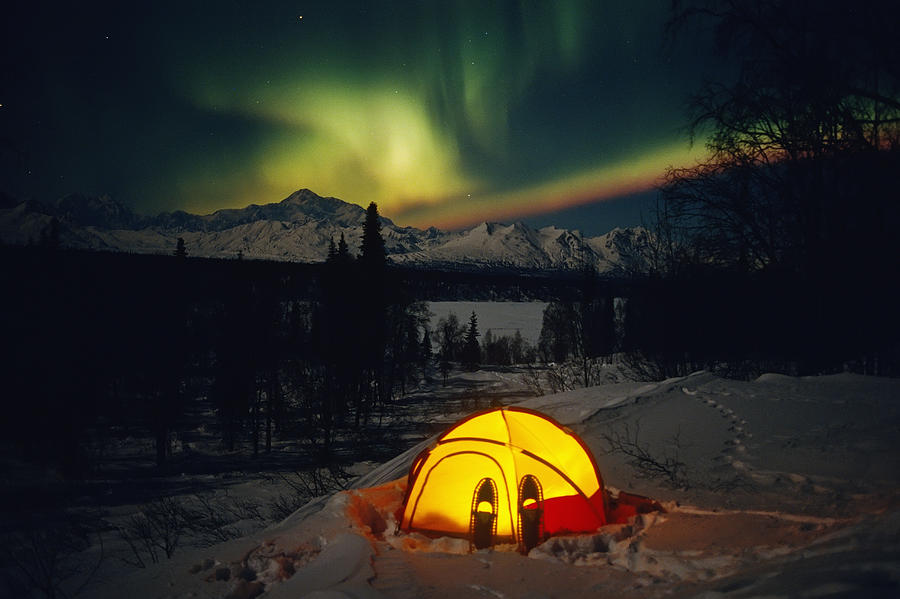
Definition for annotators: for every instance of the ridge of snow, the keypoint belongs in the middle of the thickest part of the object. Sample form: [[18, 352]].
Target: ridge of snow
[[298, 228]]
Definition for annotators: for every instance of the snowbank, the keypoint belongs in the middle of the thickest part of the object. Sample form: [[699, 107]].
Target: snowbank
[[781, 486]]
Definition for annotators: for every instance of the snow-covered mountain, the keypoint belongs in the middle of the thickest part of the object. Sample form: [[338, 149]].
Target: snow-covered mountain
[[299, 228]]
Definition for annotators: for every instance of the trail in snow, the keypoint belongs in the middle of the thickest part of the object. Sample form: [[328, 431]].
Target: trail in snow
[[737, 532]]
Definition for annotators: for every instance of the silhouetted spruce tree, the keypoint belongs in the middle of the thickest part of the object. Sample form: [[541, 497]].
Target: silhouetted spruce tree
[[332, 250], [373, 337], [180, 250], [343, 251], [372, 251], [333, 381], [472, 350]]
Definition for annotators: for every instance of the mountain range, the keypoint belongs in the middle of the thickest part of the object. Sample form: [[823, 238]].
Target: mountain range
[[299, 228]]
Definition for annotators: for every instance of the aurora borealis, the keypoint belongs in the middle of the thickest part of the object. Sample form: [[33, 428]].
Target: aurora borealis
[[445, 113]]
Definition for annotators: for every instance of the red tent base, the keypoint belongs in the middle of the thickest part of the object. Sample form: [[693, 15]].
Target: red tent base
[[626, 505], [567, 515]]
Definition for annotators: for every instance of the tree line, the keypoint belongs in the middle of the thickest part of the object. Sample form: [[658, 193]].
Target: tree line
[[100, 345], [779, 246], [458, 343]]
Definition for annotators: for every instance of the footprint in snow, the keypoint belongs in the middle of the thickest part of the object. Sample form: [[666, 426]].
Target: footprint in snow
[[738, 426]]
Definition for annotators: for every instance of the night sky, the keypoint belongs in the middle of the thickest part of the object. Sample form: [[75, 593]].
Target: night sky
[[445, 113]]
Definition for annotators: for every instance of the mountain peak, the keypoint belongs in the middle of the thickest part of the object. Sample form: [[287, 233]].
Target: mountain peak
[[315, 207], [299, 227], [303, 195], [96, 211]]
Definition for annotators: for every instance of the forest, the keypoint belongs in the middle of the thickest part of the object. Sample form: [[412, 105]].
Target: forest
[[102, 345], [776, 254]]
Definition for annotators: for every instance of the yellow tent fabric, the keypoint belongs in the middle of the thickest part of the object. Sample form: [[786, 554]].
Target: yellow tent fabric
[[508, 447]]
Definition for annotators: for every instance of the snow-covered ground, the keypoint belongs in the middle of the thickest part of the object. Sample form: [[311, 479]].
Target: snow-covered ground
[[778, 487], [298, 229]]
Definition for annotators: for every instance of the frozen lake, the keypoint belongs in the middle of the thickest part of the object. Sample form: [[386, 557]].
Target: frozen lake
[[502, 318]]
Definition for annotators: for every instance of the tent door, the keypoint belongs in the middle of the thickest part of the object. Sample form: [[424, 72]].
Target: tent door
[[483, 522], [531, 512]]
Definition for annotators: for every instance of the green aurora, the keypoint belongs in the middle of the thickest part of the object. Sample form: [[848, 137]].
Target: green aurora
[[444, 113]]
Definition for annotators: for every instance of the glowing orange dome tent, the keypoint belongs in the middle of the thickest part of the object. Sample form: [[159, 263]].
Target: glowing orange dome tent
[[502, 476]]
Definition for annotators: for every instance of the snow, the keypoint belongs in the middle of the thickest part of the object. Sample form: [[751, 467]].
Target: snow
[[342, 569], [790, 488], [501, 318], [298, 229]]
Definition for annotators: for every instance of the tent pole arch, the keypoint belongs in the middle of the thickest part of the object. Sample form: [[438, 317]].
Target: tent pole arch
[[504, 444], [412, 514], [535, 413], [566, 478], [531, 455]]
